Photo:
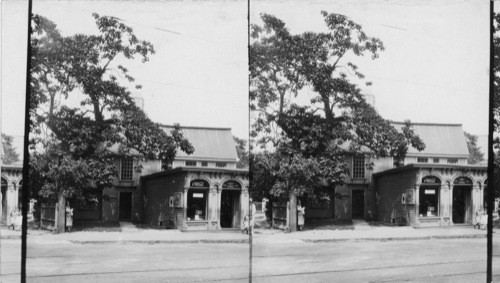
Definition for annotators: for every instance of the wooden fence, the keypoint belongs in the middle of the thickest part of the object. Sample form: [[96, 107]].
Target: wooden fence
[[281, 216], [48, 216], [52, 215]]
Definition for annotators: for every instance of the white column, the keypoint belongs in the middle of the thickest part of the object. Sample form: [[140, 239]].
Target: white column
[[184, 209]]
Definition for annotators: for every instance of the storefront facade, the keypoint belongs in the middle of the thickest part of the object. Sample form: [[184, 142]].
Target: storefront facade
[[422, 195], [196, 199], [432, 187], [11, 190]]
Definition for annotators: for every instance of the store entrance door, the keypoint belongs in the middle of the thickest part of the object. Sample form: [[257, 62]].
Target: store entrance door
[[230, 209], [125, 206], [462, 204], [358, 204]]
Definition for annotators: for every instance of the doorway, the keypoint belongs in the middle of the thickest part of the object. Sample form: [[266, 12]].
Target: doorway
[[462, 205], [230, 209], [4, 201], [358, 204], [125, 206]]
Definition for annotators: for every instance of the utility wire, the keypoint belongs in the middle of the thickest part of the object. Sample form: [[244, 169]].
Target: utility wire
[[165, 30]]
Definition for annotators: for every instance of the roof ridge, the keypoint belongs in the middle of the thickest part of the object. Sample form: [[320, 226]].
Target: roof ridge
[[427, 124], [197, 127]]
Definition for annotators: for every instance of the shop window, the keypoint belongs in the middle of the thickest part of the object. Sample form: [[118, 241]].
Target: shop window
[[358, 166], [435, 160], [127, 166], [422, 159], [197, 205], [429, 201], [204, 164], [452, 160], [190, 163], [221, 164]]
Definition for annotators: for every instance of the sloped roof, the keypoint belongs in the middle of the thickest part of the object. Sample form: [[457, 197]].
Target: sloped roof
[[439, 139], [209, 143]]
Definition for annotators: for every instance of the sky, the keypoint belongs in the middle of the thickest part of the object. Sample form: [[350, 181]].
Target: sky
[[435, 67], [198, 76]]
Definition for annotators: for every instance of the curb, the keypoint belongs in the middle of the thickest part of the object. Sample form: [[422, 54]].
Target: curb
[[243, 241], [473, 236], [10, 237]]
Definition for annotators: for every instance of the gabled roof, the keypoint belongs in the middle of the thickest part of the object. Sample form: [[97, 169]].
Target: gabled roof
[[215, 144], [439, 139]]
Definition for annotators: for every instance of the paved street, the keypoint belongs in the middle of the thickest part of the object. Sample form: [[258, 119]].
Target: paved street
[[130, 262], [436, 260], [451, 260]]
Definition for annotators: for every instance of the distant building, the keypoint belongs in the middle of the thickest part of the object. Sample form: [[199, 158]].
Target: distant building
[[11, 182], [434, 187]]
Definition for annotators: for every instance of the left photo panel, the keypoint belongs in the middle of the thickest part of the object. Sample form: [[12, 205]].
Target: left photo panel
[[138, 141], [13, 44]]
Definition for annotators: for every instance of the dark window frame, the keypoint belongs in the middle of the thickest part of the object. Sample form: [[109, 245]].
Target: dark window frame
[[358, 167], [422, 159], [192, 207], [127, 169], [191, 163], [221, 164]]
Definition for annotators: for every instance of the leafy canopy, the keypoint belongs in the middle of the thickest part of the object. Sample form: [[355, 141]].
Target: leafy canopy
[[10, 155], [305, 108], [82, 116]]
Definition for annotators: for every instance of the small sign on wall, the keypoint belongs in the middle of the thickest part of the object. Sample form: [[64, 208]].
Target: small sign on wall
[[403, 198], [176, 200], [410, 199]]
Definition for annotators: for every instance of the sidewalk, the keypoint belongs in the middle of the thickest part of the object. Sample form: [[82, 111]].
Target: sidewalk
[[261, 236]]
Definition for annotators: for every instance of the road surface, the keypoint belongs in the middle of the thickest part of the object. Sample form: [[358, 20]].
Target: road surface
[[452, 260]]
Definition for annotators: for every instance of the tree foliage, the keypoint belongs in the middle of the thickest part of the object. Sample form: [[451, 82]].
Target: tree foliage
[[496, 71], [82, 117], [242, 151], [10, 155], [311, 140], [475, 154]]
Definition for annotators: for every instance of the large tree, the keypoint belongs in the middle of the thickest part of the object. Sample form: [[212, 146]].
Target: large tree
[[10, 154], [307, 109], [82, 116]]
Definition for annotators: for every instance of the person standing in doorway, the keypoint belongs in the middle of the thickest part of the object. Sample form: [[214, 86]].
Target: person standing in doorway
[[252, 217], [301, 211]]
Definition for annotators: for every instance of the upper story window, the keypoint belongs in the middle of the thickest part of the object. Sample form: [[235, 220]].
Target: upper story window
[[452, 160], [190, 163], [435, 160], [204, 164], [126, 169], [221, 164], [422, 159], [358, 166]]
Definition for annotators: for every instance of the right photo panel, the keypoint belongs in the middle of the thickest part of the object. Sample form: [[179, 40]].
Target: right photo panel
[[369, 141]]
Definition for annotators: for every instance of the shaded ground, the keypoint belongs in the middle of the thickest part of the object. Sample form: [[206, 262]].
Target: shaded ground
[[328, 224], [310, 224], [96, 226]]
